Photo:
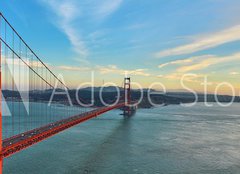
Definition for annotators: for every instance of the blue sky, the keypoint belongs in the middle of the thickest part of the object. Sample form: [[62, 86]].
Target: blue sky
[[154, 41]]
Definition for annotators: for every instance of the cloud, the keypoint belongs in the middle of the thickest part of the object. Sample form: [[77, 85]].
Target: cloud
[[176, 62], [178, 76], [106, 8], [78, 44], [67, 12], [234, 73], [18, 63], [160, 76], [200, 62], [113, 69], [205, 42], [109, 69], [73, 68]]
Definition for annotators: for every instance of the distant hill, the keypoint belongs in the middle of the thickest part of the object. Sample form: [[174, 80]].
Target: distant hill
[[109, 95]]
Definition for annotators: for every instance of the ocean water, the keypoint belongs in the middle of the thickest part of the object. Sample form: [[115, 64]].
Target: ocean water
[[167, 140]]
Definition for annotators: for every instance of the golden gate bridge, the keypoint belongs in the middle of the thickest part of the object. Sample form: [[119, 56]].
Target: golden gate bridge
[[24, 79]]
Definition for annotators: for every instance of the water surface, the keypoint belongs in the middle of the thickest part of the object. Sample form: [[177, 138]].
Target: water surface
[[168, 140]]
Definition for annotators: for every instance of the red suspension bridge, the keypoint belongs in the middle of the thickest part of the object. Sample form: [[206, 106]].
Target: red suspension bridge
[[26, 118]]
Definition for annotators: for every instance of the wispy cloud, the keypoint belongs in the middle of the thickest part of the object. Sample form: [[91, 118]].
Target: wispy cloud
[[109, 69], [176, 62], [68, 15], [177, 76], [113, 69], [200, 62], [204, 42], [234, 73], [107, 7], [67, 12], [73, 68]]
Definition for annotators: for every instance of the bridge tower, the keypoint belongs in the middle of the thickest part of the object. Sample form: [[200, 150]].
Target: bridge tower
[[128, 109], [127, 90]]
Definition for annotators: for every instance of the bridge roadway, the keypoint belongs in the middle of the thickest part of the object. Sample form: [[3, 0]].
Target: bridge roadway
[[19, 142]]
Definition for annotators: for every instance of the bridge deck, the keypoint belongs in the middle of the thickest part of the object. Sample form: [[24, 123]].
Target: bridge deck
[[19, 142]]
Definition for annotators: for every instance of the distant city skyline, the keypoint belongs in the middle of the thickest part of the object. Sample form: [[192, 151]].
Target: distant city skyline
[[151, 41]]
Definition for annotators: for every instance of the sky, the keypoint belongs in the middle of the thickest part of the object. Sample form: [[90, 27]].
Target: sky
[[157, 41]]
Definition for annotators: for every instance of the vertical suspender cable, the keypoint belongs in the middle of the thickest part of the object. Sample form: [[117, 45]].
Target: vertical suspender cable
[[13, 85]]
